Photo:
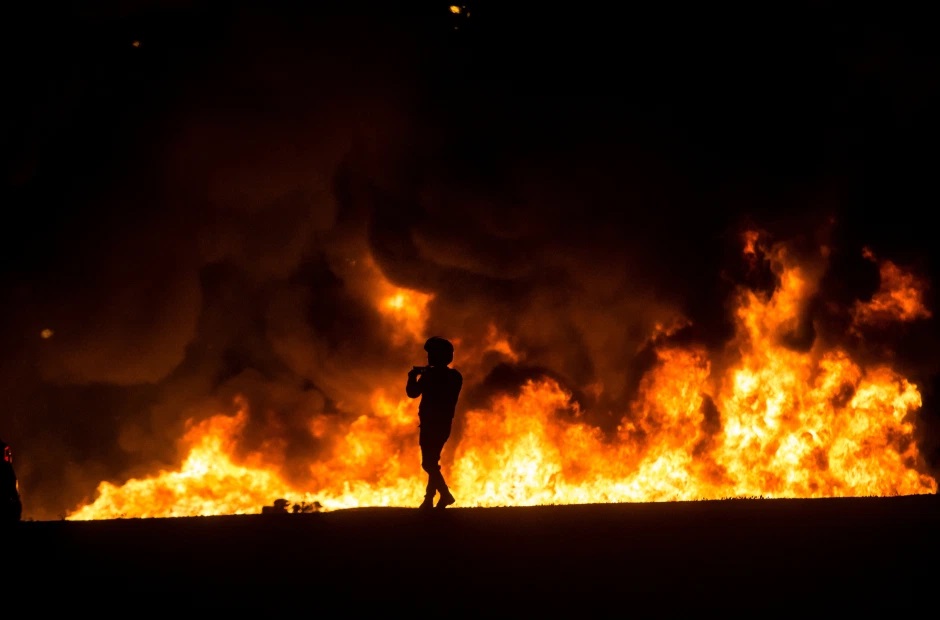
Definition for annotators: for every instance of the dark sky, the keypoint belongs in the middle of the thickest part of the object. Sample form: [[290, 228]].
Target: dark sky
[[169, 203]]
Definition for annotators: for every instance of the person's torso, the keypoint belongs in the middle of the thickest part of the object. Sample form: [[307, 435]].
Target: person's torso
[[440, 387], [7, 480]]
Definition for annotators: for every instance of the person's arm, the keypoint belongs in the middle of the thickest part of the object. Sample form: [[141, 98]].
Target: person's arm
[[456, 382], [413, 387]]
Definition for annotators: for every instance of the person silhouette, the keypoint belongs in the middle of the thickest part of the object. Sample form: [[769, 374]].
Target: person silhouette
[[438, 385], [11, 508]]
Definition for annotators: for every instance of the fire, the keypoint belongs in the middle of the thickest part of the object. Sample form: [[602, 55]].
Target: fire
[[761, 418], [899, 298], [498, 343], [207, 483], [404, 309]]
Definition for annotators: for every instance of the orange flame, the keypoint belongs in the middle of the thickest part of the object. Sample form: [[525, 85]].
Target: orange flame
[[760, 419], [404, 309], [899, 298], [498, 343], [207, 483]]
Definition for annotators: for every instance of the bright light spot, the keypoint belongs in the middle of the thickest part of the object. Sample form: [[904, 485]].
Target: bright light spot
[[136, 44], [46, 333], [396, 302], [406, 309], [455, 9]]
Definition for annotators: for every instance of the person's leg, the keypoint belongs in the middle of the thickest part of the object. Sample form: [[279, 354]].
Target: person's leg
[[430, 463], [447, 498], [435, 476], [432, 442]]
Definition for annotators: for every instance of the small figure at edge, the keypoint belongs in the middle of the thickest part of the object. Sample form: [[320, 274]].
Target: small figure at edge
[[438, 385], [11, 508]]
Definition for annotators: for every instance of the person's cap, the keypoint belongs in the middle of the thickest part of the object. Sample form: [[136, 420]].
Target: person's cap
[[436, 344]]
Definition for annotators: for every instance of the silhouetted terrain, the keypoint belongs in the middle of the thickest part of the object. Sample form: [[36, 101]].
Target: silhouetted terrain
[[750, 558]]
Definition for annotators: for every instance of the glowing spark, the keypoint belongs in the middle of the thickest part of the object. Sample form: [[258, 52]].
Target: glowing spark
[[46, 334], [455, 9]]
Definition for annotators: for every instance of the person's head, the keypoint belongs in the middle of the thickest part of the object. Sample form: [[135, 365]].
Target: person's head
[[440, 351]]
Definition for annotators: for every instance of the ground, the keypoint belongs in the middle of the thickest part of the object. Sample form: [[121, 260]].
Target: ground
[[742, 557]]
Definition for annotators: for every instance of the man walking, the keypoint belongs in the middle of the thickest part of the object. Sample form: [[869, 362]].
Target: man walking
[[438, 385]]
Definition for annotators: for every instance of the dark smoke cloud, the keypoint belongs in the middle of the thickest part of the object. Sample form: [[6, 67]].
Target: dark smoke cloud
[[195, 212]]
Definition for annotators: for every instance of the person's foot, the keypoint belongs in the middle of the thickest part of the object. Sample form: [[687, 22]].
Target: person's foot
[[427, 503], [446, 500]]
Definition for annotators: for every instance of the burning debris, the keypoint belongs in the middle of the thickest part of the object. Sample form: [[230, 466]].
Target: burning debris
[[283, 506]]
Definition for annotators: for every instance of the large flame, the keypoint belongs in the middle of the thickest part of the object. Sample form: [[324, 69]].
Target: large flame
[[762, 418]]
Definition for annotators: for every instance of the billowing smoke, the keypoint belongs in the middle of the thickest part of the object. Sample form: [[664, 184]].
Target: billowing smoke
[[203, 206]]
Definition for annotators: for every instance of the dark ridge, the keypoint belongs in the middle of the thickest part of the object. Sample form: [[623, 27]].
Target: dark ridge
[[735, 557]]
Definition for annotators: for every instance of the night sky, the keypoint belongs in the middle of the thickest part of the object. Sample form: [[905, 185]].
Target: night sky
[[186, 184]]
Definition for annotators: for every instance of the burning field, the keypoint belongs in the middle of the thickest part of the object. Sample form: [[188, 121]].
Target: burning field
[[237, 251], [759, 418]]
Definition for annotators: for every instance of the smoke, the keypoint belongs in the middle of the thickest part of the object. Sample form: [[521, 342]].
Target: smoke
[[208, 210]]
